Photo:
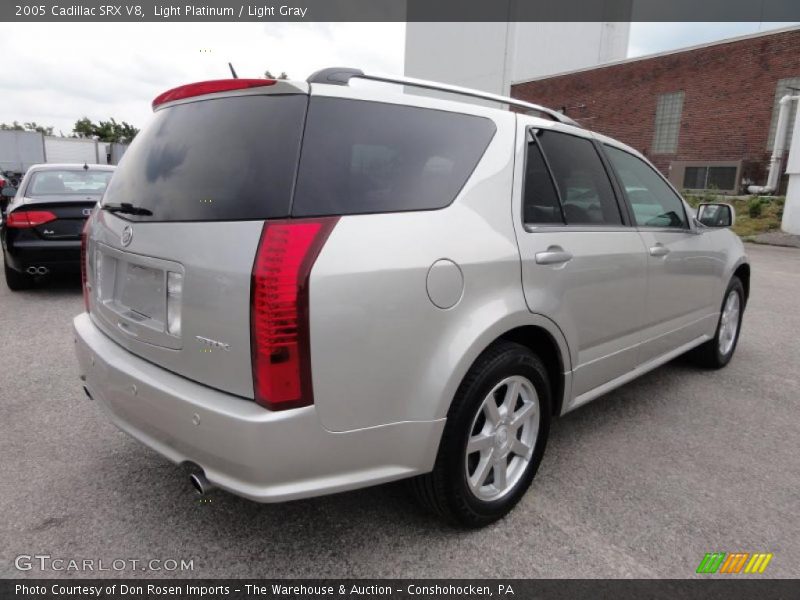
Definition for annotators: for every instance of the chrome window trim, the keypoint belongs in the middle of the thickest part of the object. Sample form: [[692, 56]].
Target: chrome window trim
[[544, 227]]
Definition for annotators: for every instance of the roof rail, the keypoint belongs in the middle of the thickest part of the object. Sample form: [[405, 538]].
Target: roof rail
[[343, 75]]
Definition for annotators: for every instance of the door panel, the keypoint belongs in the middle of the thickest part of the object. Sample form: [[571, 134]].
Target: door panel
[[681, 290], [682, 270], [581, 266], [596, 297]]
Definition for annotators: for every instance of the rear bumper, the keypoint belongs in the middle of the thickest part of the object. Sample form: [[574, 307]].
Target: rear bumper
[[243, 448], [57, 256]]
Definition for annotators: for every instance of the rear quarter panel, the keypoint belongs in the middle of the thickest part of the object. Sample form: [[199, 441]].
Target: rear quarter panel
[[381, 352]]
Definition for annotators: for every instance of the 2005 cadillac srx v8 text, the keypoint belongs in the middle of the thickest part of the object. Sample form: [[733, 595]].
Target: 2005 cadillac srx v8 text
[[299, 288]]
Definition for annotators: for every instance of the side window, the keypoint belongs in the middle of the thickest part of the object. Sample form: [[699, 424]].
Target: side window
[[653, 202], [362, 157], [586, 194], [540, 200]]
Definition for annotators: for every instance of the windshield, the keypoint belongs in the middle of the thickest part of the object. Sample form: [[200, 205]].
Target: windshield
[[67, 182]]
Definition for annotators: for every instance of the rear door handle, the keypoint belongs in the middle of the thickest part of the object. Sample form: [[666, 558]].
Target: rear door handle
[[659, 250], [554, 255]]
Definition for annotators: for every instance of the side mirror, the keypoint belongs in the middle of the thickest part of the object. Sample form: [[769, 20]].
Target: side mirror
[[716, 214], [8, 191]]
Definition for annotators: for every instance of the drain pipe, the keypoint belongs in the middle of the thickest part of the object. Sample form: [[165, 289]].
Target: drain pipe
[[778, 148], [790, 223]]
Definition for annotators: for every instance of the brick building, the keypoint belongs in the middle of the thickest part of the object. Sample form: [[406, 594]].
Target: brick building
[[704, 115]]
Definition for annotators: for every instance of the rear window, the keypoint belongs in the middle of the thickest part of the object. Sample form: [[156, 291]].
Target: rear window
[[226, 159], [369, 157], [67, 182], [237, 158]]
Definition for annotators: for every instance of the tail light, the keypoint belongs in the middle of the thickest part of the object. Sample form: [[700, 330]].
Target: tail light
[[23, 219], [84, 278], [279, 318], [209, 87]]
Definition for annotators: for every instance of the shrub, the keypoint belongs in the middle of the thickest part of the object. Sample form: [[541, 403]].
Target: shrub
[[754, 208]]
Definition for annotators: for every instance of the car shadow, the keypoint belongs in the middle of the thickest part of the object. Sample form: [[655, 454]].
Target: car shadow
[[56, 285]]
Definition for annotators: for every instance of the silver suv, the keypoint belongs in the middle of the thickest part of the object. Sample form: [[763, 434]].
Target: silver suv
[[299, 288]]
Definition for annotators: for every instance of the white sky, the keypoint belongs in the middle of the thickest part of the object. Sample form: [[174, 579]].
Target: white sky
[[56, 73]]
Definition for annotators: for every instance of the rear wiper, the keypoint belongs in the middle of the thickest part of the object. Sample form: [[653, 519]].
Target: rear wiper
[[127, 208]]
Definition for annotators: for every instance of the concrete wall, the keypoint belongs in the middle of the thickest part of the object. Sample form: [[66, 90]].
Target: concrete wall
[[547, 48], [73, 150], [727, 109], [490, 56], [20, 149]]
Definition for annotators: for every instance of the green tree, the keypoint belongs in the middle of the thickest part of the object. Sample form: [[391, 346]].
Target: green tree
[[105, 131], [34, 126], [83, 128], [29, 126]]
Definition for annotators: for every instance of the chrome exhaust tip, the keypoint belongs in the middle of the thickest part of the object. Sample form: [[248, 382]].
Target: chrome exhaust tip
[[42, 271], [31, 271], [200, 484]]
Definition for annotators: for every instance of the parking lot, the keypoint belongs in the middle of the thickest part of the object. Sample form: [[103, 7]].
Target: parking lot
[[641, 483]]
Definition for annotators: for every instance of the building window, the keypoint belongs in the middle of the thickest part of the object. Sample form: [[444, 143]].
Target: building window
[[783, 88], [668, 123], [710, 178]]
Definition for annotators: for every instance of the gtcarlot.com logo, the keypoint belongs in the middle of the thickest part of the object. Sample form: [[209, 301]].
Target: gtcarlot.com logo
[[46, 562], [734, 562]]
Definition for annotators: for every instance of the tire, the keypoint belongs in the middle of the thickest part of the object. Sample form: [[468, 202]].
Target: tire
[[15, 280], [717, 352], [446, 491]]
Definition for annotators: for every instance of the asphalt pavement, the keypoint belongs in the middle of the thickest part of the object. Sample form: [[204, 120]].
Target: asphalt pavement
[[640, 483]]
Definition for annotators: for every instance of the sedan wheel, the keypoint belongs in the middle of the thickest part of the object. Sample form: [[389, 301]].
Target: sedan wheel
[[15, 280]]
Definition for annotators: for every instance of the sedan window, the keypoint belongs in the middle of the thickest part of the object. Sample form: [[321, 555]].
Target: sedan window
[[54, 182]]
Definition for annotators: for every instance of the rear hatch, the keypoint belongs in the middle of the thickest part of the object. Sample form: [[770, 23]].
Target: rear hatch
[[171, 250], [179, 252]]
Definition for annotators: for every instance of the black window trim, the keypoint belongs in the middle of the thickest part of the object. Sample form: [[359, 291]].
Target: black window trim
[[530, 137], [622, 206], [629, 206]]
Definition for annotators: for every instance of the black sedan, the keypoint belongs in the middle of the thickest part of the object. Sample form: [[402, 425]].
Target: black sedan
[[41, 232]]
